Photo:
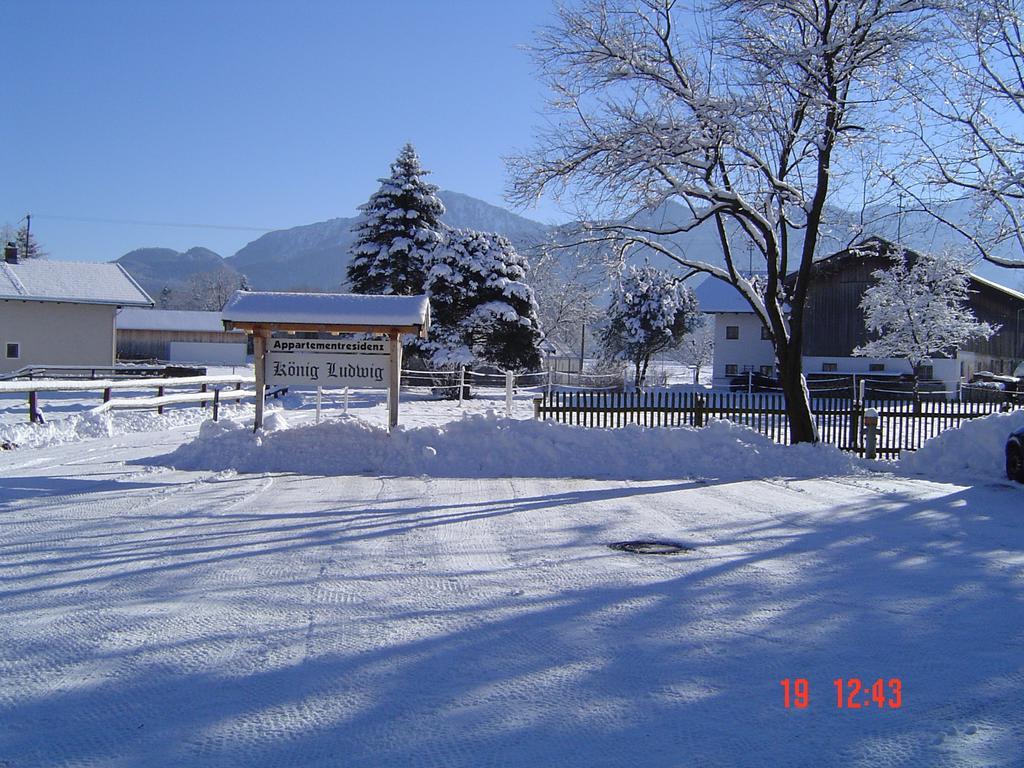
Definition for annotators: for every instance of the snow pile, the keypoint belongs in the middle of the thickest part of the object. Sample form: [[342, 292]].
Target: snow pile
[[488, 446], [89, 425], [971, 452]]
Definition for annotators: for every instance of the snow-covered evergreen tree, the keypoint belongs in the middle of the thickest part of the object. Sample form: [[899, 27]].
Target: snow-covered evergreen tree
[[650, 311], [919, 309], [399, 227], [482, 310]]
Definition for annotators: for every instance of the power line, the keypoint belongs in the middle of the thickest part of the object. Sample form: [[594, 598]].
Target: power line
[[133, 222]]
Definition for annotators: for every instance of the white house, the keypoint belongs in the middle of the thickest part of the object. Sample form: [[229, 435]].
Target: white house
[[741, 344], [61, 312], [178, 336]]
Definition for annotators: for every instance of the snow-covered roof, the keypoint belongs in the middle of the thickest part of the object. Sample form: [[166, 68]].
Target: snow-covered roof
[[134, 319], [72, 282], [714, 295], [991, 284], [327, 309]]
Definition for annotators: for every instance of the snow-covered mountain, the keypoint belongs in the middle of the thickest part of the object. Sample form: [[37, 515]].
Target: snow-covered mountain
[[315, 256]]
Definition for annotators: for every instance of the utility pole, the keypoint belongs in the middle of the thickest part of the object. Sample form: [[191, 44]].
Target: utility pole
[[583, 344], [899, 219], [28, 235]]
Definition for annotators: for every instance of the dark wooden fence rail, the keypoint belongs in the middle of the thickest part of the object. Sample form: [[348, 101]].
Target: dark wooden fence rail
[[903, 424]]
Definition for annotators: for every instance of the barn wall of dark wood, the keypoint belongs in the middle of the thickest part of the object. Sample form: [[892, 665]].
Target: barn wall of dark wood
[[156, 345], [993, 306], [834, 323]]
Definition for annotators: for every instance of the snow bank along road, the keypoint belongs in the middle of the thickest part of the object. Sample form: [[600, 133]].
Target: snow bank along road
[[168, 618]]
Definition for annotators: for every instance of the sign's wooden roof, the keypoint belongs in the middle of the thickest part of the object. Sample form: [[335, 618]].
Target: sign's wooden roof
[[328, 312]]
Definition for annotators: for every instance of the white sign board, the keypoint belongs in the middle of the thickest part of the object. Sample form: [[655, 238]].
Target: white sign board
[[328, 363]]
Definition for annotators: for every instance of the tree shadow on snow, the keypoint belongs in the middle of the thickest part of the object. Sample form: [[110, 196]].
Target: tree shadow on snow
[[533, 644]]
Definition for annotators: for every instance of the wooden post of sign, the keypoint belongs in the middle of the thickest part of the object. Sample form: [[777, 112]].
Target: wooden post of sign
[[395, 366], [259, 359]]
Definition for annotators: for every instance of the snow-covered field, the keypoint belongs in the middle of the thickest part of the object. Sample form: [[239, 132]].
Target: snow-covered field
[[328, 596]]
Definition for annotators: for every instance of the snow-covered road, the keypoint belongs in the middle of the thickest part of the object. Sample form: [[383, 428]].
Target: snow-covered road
[[166, 618]]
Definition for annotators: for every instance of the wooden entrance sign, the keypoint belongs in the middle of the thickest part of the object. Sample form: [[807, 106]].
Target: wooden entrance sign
[[273, 319]]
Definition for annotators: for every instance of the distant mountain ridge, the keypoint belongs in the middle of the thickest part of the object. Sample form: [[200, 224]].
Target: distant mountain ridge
[[156, 268], [315, 256]]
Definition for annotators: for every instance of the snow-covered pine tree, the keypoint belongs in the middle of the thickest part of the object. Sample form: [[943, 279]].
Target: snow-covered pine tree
[[399, 227], [650, 311], [483, 311]]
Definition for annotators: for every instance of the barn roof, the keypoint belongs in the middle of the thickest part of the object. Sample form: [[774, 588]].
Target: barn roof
[[137, 319], [71, 282]]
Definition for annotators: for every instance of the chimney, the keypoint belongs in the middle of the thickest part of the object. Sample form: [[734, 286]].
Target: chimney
[[11, 253]]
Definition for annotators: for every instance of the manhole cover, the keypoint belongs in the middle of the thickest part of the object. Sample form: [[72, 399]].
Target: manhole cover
[[650, 547]]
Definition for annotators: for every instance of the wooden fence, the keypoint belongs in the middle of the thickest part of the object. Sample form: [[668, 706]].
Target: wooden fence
[[168, 391], [903, 425]]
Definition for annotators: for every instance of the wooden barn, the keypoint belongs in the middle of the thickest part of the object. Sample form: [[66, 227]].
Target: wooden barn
[[178, 336], [834, 325], [835, 322]]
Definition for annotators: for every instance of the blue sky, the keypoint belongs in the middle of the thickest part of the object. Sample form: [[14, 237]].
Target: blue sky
[[253, 114]]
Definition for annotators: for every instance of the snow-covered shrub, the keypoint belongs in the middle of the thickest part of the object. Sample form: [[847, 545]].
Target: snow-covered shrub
[[651, 311]]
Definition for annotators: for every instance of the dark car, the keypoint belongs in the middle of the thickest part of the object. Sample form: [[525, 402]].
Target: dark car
[[1015, 456]]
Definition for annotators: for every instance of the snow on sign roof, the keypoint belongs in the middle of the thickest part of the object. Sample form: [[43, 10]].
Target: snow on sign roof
[[321, 309], [72, 282], [135, 319]]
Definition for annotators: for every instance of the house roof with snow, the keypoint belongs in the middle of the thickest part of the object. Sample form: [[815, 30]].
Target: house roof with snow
[[137, 319], [71, 282], [717, 296], [340, 312]]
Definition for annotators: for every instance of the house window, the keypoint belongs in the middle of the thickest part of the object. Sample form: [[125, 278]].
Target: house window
[[830, 366], [927, 372], [730, 370], [732, 331], [767, 370], [876, 366], [13, 351], [766, 335]]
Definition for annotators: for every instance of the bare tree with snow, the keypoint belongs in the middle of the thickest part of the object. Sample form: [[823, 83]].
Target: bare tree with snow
[[918, 309], [747, 112], [967, 135], [566, 286], [210, 291], [651, 311], [698, 348]]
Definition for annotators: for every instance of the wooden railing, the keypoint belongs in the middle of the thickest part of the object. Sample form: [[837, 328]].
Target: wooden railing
[[106, 388]]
